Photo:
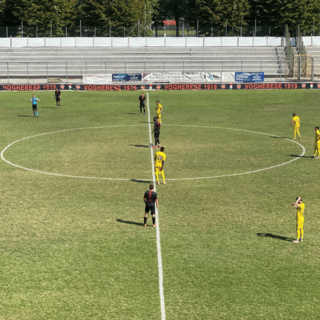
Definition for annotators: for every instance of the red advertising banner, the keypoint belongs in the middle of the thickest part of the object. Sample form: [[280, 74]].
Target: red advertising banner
[[170, 87]]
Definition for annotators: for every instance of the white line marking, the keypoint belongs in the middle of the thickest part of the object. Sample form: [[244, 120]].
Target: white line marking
[[65, 175], [125, 179], [241, 173], [161, 292]]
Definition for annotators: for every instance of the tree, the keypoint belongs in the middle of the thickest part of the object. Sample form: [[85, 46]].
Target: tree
[[217, 13], [278, 13], [7, 18], [121, 13], [39, 13], [175, 9]]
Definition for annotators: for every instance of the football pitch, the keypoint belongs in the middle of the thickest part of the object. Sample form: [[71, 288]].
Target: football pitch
[[72, 241]]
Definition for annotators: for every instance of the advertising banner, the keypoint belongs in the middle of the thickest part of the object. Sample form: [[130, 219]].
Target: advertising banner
[[97, 78], [220, 76], [126, 77], [170, 86], [249, 76], [168, 77]]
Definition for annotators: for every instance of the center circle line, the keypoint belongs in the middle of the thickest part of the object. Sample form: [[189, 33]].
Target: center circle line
[[126, 179]]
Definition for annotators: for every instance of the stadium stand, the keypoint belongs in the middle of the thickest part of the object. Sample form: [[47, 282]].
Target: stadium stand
[[69, 62], [314, 51]]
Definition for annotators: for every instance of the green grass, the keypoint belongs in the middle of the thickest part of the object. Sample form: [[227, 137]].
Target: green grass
[[75, 248]]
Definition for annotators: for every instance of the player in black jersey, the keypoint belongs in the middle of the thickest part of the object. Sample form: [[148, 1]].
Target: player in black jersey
[[142, 103], [156, 132], [57, 96], [151, 200]]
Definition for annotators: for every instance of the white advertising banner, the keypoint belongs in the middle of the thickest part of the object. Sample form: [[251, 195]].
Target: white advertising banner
[[220, 76], [97, 78], [165, 77]]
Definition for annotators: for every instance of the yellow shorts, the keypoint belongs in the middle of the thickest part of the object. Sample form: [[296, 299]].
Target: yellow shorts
[[157, 170], [300, 223]]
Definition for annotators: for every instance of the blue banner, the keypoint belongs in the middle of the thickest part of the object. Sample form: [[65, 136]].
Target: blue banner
[[126, 77], [249, 76]]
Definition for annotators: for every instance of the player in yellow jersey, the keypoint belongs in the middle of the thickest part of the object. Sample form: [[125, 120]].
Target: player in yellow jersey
[[299, 205], [316, 143], [159, 109], [296, 126], [159, 159]]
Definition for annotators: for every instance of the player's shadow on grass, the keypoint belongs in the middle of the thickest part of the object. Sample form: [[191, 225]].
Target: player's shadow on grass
[[23, 116], [297, 156], [140, 181], [130, 222], [280, 137], [139, 145], [270, 235]]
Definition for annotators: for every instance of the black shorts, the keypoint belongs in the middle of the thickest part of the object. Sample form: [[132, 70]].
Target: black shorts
[[58, 99], [34, 107], [156, 134], [152, 208], [142, 106]]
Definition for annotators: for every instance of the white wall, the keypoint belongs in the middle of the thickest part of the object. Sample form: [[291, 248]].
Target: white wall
[[148, 42]]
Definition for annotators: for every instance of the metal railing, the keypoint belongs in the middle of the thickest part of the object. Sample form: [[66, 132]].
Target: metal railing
[[76, 69]]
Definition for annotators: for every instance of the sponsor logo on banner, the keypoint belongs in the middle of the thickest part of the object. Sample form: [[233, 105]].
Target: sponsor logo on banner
[[62, 86], [126, 77], [173, 77], [97, 78], [169, 86], [249, 76]]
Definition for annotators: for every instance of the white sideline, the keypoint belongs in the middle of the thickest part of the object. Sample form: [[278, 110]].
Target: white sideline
[[162, 305]]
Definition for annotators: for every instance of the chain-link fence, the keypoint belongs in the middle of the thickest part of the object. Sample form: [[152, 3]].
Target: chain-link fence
[[52, 30], [184, 29]]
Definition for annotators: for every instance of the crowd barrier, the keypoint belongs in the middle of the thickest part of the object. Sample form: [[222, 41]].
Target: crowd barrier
[[144, 42], [171, 86]]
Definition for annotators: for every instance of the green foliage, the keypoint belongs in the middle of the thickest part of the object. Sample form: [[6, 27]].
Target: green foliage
[[122, 13], [172, 9], [216, 13], [39, 13], [7, 18], [278, 13]]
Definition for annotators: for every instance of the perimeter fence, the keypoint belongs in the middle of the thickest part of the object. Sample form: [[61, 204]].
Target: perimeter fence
[[137, 30]]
